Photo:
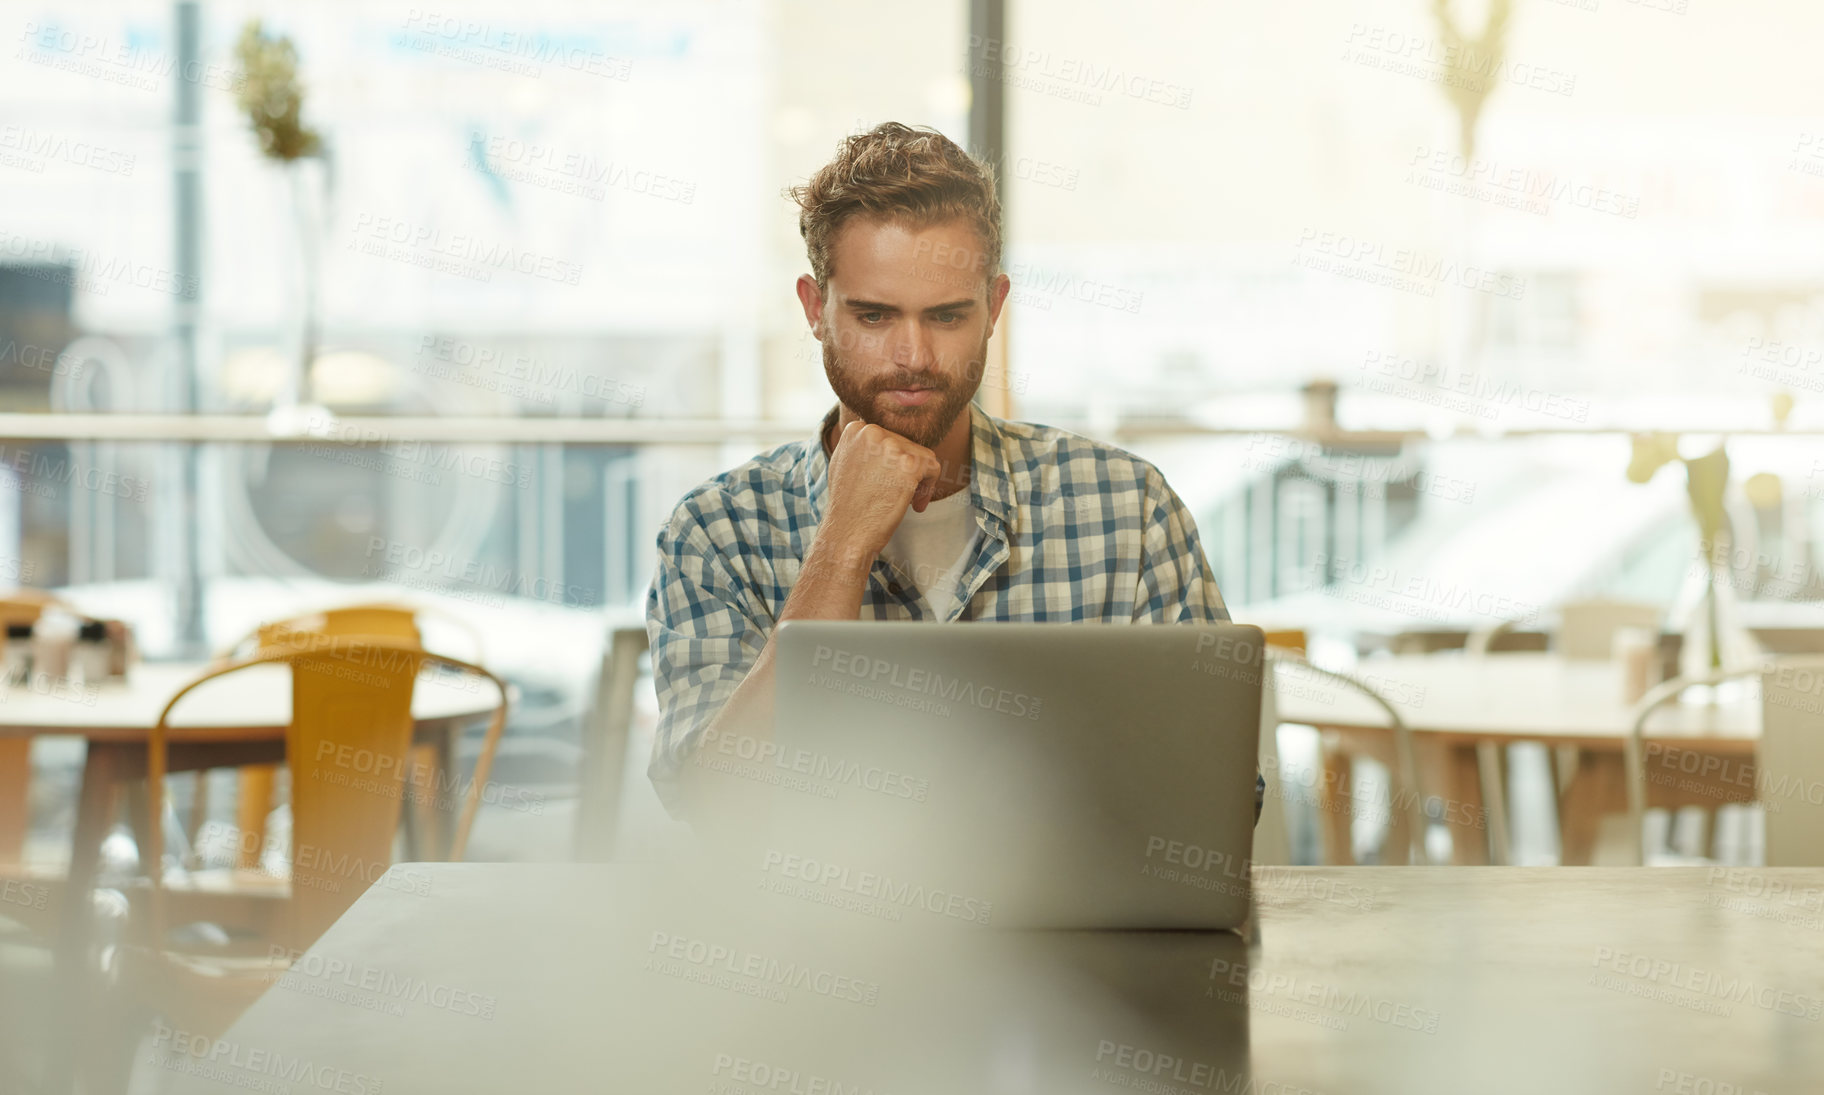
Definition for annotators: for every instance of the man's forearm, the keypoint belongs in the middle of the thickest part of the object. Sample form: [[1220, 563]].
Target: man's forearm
[[830, 586]]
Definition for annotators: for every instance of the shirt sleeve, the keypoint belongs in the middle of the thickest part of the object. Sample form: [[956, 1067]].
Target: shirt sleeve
[[1176, 583], [704, 639]]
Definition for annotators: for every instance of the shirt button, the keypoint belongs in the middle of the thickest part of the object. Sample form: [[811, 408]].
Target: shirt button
[[893, 588]]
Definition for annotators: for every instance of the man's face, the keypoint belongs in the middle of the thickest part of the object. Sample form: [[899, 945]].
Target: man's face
[[905, 323]]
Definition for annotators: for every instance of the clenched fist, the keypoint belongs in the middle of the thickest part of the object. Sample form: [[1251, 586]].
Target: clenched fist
[[874, 475]]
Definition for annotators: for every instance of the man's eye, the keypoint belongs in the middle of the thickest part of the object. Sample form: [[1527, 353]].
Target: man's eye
[[949, 317], [871, 317]]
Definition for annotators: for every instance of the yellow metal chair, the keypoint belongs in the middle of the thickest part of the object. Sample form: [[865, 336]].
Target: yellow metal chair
[[377, 619], [347, 746]]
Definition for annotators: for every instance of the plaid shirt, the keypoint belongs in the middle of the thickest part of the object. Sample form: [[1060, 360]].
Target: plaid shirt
[[1073, 530]]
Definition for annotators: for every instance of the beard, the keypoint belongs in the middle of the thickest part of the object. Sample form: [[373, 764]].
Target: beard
[[922, 425]]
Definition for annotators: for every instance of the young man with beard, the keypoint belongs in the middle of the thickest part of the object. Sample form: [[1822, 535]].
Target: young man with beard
[[910, 502]]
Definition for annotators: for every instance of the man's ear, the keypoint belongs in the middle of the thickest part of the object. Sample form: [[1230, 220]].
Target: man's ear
[[811, 298], [997, 296]]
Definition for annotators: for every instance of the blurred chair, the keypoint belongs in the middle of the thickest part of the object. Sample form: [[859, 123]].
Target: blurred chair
[[1391, 747], [606, 729], [20, 606], [254, 795], [1587, 629], [1672, 786], [349, 699], [1272, 842], [1792, 755]]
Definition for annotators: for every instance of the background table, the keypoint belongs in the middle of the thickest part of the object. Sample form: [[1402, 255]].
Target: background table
[[1461, 709], [235, 720], [1365, 980]]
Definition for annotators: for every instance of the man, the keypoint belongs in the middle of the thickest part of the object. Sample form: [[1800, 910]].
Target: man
[[910, 503]]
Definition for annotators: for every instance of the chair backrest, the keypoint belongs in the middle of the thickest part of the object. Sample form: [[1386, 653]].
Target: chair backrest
[[351, 725], [1792, 761], [1586, 629], [379, 618], [1407, 795], [1635, 751], [24, 606]]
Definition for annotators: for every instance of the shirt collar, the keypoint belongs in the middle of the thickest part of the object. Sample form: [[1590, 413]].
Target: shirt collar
[[990, 481]]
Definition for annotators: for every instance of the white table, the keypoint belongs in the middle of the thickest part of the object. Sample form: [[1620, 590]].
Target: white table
[[568, 978], [1462, 708], [239, 719]]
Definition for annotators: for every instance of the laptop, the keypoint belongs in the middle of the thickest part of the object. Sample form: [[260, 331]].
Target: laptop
[[1029, 775]]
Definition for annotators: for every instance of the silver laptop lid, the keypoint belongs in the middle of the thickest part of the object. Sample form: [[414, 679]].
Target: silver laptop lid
[[1027, 775]]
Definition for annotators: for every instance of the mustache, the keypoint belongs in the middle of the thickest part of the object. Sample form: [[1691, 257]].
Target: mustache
[[910, 380]]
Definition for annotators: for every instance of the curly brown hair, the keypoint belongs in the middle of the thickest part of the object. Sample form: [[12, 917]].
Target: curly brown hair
[[895, 172]]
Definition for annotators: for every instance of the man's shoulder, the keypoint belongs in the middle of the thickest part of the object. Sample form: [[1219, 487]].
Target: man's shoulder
[[754, 484], [1049, 452]]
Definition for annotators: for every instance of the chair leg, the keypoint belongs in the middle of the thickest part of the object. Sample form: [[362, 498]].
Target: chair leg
[[252, 805], [1464, 809], [1337, 807], [1598, 787], [15, 797]]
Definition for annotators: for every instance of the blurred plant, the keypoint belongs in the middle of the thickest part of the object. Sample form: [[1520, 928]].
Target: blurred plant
[[1470, 64], [273, 99], [1706, 480], [272, 96]]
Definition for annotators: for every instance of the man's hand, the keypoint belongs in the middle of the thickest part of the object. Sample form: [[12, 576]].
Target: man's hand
[[874, 475]]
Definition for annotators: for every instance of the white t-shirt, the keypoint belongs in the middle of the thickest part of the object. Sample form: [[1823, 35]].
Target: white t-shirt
[[933, 550]]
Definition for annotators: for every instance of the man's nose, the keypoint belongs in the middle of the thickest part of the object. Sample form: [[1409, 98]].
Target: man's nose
[[913, 347]]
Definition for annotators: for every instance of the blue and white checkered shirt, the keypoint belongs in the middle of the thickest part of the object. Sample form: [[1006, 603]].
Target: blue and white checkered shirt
[[1073, 530]]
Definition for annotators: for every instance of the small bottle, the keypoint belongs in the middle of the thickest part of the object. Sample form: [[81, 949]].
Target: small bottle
[[89, 660], [16, 655]]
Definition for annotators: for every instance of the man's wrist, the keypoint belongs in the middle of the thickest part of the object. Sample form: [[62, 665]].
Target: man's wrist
[[839, 556]]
